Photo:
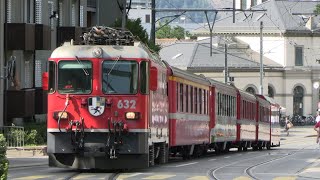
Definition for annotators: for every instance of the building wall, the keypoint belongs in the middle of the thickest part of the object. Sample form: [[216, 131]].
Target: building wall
[[108, 12], [2, 20], [273, 47]]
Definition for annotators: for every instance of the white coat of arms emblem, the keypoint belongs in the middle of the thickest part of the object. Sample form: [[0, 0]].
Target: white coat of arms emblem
[[96, 105]]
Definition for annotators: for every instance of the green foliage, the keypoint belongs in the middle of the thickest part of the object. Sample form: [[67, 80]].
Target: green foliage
[[135, 27], [4, 163], [317, 10], [35, 133], [31, 137], [166, 31]]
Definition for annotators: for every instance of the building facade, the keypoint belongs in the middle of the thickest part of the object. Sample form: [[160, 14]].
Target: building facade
[[290, 58], [29, 31]]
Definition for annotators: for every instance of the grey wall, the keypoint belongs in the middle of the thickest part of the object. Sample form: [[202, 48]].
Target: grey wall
[[108, 11]]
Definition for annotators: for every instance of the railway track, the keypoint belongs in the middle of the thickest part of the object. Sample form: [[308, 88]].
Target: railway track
[[249, 171]]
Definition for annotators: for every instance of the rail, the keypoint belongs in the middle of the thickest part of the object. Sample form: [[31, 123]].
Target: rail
[[14, 135]]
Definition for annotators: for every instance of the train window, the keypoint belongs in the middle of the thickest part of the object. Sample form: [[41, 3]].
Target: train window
[[177, 94], [205, 102], [196, 100], [181, 97], [191, 99], [187, 98], [119, 77], [52, 76], [74, 77], [200, 101], [218, 104], [144, 77]]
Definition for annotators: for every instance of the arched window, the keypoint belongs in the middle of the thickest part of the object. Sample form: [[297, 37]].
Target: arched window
[[298, 94], [251, 90], [270, 92]]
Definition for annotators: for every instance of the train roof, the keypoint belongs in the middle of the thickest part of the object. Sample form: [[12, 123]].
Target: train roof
[[270, 100], [222, 87], [188, 75], [246, 95], [138, 50]]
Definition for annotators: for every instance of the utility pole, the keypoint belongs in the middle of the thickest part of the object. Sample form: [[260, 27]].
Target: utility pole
[[124, 14], [226, 63], [261, 59], [153, 22]]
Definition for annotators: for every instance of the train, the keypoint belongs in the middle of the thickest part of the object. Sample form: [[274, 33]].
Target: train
[[114, 104]]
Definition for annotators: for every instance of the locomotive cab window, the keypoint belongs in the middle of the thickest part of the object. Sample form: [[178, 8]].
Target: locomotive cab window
[[119, 77], [144, 77], [52, 76], [74, 77]]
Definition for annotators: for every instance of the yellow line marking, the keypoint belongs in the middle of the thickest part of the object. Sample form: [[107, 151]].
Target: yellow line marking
[[199, 178], [84, 176], [32, 177], [159, 176], [127, 175], [285, 178], [242, 178]]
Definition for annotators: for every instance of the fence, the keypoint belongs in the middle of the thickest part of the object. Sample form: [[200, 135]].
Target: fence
[[14, 135]]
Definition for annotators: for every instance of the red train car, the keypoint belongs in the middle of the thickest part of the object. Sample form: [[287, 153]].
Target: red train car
[[275, 112], [264, 125], [246, 120], [188, 112], [223, 124], [112, 104]]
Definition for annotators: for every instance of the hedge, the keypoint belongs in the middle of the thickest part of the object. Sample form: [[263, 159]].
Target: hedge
[[4, 163]]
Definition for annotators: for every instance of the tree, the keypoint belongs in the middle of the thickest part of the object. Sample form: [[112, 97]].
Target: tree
[[167, 32], [317, 10], [135, 27]]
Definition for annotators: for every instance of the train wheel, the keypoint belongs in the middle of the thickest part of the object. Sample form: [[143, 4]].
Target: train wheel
[[151, 155], [186, 152], [245, 148], [163, 154], [255, 148], [268, 146], [240, 148]]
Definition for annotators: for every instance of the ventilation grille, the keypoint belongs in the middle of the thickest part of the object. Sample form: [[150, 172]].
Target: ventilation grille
[[50, 9], [81, 16], [38, 72], [9, 11], [60, 14], [38, 12], [73, 15]]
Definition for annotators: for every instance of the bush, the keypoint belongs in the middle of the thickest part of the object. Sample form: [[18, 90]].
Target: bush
[[35, 133], [4, 163]]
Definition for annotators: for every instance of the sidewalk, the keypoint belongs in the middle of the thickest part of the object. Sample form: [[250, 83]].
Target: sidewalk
[[28, 156], [36, 151]]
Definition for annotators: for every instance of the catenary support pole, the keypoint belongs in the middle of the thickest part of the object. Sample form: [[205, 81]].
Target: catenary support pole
[[261, 59]]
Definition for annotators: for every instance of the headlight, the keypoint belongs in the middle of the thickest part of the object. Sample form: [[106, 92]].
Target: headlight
[[132, 115], [64, 115]]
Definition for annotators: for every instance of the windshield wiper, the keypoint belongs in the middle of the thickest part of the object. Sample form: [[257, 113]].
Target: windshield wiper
[[113, 65], [107, 82], [84, 70]]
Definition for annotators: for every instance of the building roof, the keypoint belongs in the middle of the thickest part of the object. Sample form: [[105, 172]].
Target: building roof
[[196, 55], [279, 17]]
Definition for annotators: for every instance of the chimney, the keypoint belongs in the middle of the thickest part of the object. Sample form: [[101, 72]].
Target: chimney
[[310, 23]]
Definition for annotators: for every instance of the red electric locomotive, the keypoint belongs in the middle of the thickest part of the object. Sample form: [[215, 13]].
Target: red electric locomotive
[[112, 104], [107, 103]]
